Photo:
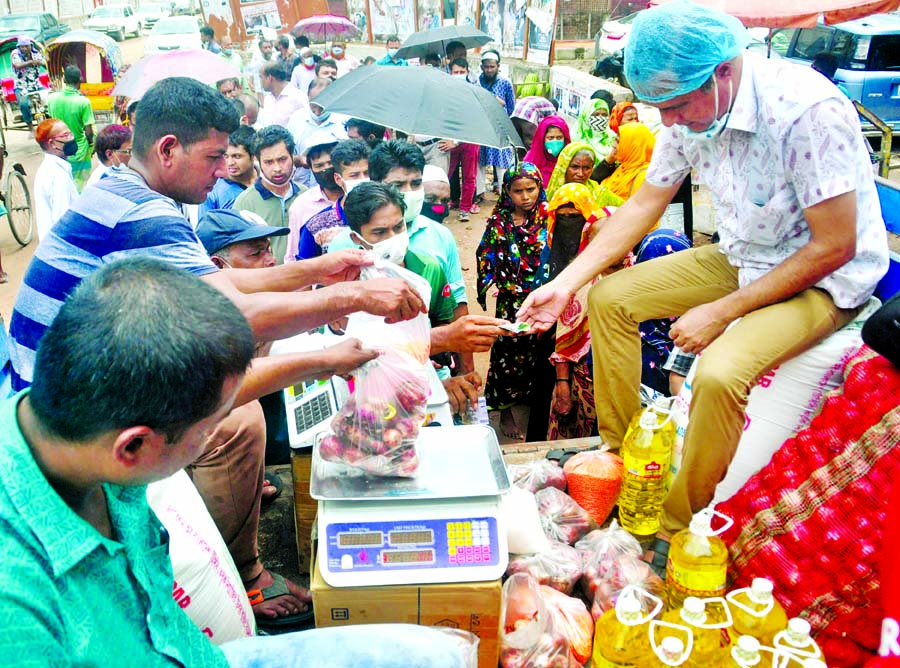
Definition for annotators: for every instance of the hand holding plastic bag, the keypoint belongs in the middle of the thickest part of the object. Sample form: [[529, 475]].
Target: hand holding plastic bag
[[376, 428]]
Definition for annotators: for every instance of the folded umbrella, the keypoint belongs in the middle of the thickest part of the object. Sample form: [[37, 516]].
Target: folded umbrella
[[435, 40], [196, 64], [422, 100]]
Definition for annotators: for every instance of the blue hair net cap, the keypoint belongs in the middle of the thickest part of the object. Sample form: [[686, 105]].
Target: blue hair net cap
[[674, 48]]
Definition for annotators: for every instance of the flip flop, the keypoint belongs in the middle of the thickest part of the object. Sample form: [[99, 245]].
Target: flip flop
[[298, 622], [274, 480]]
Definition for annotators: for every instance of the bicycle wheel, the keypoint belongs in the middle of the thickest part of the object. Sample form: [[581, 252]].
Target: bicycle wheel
[[18, 203]]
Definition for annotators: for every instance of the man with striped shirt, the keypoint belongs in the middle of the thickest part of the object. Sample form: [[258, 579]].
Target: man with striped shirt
[[180, 140]]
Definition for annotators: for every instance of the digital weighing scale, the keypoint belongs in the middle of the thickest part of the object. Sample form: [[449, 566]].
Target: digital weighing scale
[[443, 525]]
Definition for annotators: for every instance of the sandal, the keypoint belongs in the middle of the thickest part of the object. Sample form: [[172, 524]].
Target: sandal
[[298, 622], [657, 557], [462, 217], [272, 480], [474, 209]]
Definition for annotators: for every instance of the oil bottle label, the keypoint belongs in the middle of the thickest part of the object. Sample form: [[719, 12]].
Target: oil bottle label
[[648, 469], [693, 583]]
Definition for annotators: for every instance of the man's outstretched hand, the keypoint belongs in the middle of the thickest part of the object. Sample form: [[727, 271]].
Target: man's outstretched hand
[[393, 298], [347, 356], [341, 266], [542, 308]]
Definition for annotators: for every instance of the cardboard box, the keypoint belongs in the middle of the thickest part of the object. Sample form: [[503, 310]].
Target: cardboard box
[[471, 606], [305, 507]]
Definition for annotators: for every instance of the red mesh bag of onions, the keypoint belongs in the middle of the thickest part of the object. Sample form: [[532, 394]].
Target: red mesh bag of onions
[[813, 519]]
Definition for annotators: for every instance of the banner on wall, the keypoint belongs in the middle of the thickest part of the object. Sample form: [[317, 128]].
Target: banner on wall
[[392, 17], [263, 15], [429, 14], [541, 15], [504, 21], [466, 12]]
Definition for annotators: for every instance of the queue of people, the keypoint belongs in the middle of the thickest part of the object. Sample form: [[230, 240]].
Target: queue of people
[[572, 248]]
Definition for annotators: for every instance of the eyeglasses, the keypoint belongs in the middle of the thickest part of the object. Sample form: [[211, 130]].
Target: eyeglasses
[[123, 151], [64, 135]]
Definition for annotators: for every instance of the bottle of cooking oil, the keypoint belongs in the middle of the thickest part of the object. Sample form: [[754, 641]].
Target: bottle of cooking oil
[[621, 634], [756, 612], [796, 640], [745, 654], [708, 648], [646, 451], [698, 560], [670, 644]]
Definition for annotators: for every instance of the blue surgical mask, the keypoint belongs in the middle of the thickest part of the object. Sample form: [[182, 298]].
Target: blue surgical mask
[[337, 51], [554, 146], [715, 129], [392, 52], [309, 62], [319, 118], [227, 52]]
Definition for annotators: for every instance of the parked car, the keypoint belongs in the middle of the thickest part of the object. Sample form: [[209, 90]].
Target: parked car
[[41, 27], [114, 20], [149, 13], [868, 55], [173, 32]]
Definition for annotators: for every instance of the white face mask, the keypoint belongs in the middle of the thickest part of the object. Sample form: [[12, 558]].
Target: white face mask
[[350, 184], [393, 249], [286, 184], [716, 127], [414, 200], [337, 51]]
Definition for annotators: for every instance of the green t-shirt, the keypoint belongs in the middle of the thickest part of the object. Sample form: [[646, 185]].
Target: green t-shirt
[[73, 109], [72, 597], [440, 310]]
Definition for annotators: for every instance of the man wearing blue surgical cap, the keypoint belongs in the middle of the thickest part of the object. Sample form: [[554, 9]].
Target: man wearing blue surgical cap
[[802, 243]]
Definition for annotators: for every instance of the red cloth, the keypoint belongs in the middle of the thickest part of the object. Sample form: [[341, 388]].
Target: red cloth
[[889, 652], [814, 519], [537, 154]]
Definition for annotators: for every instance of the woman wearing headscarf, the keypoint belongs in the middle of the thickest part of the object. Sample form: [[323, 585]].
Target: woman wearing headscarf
[[636, 142], [575, 165], [593, 128], [551, 138], [621, 114], [528, 114], [572, 218], [509, 259]]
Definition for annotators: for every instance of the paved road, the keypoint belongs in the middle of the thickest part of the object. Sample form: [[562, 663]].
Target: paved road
[[23, 149]]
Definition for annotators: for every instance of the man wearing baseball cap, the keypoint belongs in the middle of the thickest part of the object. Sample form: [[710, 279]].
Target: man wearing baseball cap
[[238, 239], [802, 247]]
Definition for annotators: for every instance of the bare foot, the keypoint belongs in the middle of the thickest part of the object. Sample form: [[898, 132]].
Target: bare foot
[[3, 277], [508, 424], [297, 599]]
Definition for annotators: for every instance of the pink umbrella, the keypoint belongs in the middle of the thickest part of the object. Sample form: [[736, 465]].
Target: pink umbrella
[[324, 27], [196, 64], [796, 13]]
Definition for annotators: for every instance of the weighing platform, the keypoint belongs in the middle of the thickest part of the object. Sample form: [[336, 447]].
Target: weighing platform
[[443, 525]]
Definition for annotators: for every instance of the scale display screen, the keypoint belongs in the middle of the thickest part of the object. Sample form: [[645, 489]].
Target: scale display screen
[[423, 537], [392, 557], [360, 539]]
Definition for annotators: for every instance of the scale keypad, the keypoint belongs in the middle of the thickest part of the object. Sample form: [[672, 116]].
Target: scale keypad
[[468, 542]]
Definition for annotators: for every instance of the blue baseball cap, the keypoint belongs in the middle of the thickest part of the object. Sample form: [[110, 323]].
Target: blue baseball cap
[[221, 227]]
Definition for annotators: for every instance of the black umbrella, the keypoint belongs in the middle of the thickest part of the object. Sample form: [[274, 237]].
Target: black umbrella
[[422, 100], [420, 44]]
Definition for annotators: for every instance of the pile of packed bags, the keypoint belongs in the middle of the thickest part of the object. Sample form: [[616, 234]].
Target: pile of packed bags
[[576, 572]]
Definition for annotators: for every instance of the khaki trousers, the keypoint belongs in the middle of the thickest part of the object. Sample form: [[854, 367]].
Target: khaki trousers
[[229, 477], [727, 370]]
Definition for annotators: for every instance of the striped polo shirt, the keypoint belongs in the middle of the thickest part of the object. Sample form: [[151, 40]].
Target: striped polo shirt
[[118, 217]]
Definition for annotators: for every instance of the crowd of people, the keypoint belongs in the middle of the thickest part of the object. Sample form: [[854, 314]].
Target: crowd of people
[[291, 202]]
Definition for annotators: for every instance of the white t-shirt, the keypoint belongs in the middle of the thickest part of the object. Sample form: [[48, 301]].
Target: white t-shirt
[[54, 192]]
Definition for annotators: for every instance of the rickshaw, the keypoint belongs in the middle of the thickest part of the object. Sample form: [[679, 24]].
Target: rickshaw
[[10, 114], [100, 60]]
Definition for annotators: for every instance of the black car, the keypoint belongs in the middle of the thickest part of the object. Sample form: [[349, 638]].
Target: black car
[[40, 26]]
